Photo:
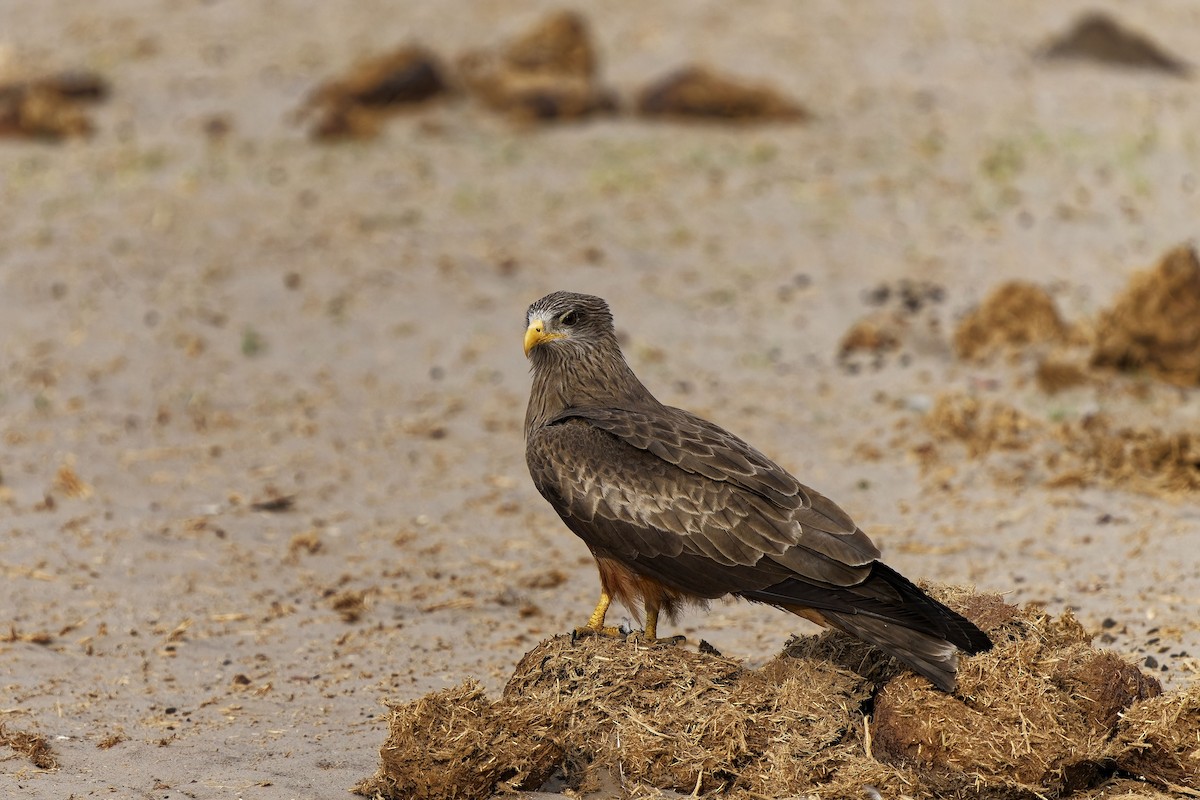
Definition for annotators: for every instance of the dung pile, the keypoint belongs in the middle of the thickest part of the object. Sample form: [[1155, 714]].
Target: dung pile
[[356, 104], [698, 92], [1042, 714], [549, 72], [878, 335], [1153, 328], [1045, 731], [50, 107], [1099, 38], [1155, 323], [1015, 313]]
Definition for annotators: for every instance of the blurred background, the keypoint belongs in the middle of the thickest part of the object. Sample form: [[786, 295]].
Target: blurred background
[[263, 275]]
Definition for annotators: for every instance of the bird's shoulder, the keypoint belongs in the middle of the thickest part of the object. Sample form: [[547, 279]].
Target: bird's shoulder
[[573, 455], [694, 445]]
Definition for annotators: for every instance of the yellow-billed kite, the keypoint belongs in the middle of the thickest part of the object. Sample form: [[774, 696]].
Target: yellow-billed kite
[[677, 510]]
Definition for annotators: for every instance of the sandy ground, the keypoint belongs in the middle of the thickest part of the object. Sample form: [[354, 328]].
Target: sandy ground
[[189, 326]]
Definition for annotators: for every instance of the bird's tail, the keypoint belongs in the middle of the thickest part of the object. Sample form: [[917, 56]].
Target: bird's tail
[[888, 611], [927, 654]]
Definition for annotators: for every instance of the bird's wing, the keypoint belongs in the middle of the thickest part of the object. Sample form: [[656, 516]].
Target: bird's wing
[[703, 449], [659, 489]]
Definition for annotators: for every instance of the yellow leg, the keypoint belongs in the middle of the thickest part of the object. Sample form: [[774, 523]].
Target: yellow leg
[[651, 622], [650, 634], [595, 624], [596, 621]]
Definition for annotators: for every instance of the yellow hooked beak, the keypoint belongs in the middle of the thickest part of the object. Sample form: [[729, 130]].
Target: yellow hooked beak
[[536, 333]]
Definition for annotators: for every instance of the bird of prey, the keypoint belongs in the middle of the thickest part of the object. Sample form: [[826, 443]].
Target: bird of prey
[[677, 510]]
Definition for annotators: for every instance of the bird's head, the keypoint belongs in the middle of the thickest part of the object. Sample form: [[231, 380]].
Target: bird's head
[[567, 320]]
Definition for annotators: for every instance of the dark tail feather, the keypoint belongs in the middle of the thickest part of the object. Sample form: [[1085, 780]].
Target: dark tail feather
[[927, 654], [890, 612]]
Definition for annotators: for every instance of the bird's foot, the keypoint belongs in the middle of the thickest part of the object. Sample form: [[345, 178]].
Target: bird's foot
[[640, 636], [599, 630], [623, 633]]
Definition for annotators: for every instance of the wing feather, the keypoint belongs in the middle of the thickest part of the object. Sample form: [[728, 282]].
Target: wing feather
[[691, 494], [698, 447]]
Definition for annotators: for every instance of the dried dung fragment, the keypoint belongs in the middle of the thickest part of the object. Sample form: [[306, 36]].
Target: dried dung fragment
[[1015, 313], [68, 482], [1074, 453], [982, 425], [878, 333], [1159, 739], [32, 746], [1144, 459], [1031, 717], [1102, 684], [275, 502], [1100, 38], [697, 92], [50, 107], [35, 637], [547, 73], [1056, 375], [455, 744], [905, 323], [1155, 323], [356, 104], [350, 604]]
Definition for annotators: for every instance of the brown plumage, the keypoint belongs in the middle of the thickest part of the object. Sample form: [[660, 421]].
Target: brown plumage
[[677, 510]]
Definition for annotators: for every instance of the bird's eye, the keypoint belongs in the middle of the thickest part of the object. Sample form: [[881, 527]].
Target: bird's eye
[[568, 319]]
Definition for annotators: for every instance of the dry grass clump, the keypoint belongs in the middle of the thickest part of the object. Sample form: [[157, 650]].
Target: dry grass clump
[[1015, 313], [1042, 714], [1155, 323]]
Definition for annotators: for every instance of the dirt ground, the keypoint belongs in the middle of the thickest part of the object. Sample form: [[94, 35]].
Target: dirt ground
[[261, 459]]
